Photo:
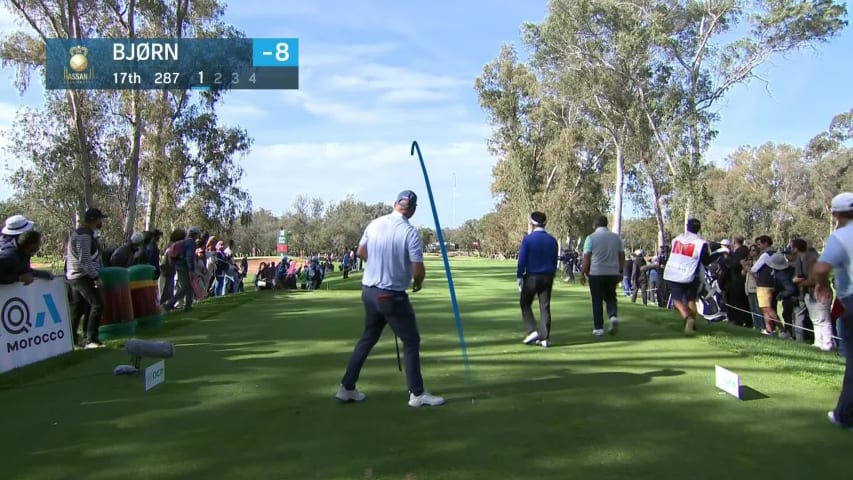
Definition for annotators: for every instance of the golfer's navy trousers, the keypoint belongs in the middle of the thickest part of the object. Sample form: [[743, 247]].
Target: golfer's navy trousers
[[383, 307], [844, 409]]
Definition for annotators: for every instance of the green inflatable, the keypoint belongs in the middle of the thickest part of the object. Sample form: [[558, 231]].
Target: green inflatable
[[117, 320]]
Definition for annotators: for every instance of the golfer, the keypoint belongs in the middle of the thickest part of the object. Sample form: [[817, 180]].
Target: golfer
[[392, 250], [838, 256], [537, 265], [690, 253], [603, 266]]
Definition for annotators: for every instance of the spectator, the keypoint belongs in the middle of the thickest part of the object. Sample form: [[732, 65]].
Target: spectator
[[655, 275], [735, 286], [765, 289], [818, 311], [15, 259], [627, 286], [684, 272], [83, 269], [167, 265], [639, 278], [183, 259], [346, 261], [130, 253], [14, 227], [151, 250], [603, 265], [537, 265], [750, 287]]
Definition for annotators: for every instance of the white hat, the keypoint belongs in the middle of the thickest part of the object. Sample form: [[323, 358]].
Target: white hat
[[17, 224], [136, 238], [726, 242], [842, 203], [778, 261]]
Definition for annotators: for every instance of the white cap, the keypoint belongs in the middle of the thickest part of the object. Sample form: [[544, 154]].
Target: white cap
[[842, 203], [17, 224], [136, 238], [726, 242]]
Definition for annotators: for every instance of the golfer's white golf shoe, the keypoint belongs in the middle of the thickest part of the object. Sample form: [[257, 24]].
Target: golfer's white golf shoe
[[425, 399], [353, 395]]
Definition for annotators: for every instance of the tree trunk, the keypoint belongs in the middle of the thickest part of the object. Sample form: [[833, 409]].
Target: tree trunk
[[133, 164], [151, 207], [620, 183], [658, 210], [83, 158], [135, 138]]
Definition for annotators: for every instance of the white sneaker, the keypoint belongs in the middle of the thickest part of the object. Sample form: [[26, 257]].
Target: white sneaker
[[831, 416], [531, 338], [423, 399], [93, 345], [598, 332], [545, 343], [353, 395], [614, 325]]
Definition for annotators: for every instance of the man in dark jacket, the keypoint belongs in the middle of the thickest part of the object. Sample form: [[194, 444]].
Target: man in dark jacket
[[15, 260], [639, 278], [735, 285], [128, 254]]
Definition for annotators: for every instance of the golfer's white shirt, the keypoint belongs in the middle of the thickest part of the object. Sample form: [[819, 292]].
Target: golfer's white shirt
[[392, 245]]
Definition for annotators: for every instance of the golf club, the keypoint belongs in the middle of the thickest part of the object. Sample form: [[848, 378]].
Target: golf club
[[399, 363]]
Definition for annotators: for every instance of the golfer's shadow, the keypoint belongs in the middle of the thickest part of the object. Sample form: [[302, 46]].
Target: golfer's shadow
[[562, 381]]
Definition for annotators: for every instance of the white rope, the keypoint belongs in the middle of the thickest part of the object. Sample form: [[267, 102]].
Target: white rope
[[781, 320]]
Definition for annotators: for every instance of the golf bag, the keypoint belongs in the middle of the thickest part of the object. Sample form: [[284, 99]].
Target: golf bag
[[710, 302]]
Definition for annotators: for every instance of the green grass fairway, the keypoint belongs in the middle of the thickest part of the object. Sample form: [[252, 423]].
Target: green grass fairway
[[250, 395]]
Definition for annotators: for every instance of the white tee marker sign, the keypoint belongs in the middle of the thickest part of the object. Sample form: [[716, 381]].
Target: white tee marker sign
[[155, 375], [728, 381]]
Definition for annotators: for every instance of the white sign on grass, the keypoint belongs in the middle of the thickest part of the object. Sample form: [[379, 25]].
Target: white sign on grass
[[34, 322], [728, 381], [155, 375]]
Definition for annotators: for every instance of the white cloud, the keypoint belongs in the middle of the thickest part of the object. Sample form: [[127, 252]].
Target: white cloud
[[319, 55], [412, 95], [233, 113], [377, 77], [374, 171]]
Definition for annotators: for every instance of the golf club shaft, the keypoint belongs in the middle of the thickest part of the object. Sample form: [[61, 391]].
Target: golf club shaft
[[397, 344]]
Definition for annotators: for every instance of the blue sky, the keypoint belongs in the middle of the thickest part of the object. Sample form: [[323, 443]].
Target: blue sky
[[376, 75]]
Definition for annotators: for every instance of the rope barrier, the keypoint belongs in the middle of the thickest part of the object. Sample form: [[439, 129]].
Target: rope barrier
[[650, 295]]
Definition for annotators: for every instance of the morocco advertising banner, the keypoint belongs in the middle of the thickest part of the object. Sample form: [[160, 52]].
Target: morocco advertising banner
[[34, 322]]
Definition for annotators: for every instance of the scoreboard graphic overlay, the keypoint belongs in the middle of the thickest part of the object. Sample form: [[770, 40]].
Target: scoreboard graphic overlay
[[171, 63]]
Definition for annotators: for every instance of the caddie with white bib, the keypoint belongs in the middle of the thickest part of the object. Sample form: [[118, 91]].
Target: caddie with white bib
[[690, 254]]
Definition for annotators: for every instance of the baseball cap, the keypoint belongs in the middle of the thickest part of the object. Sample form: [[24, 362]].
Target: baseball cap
[[407, 199], [93, 214], [194, 231], [17, 224], [136, 238], [842, 203]]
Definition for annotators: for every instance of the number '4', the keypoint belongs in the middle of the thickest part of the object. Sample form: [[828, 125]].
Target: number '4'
[[252, 78]]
